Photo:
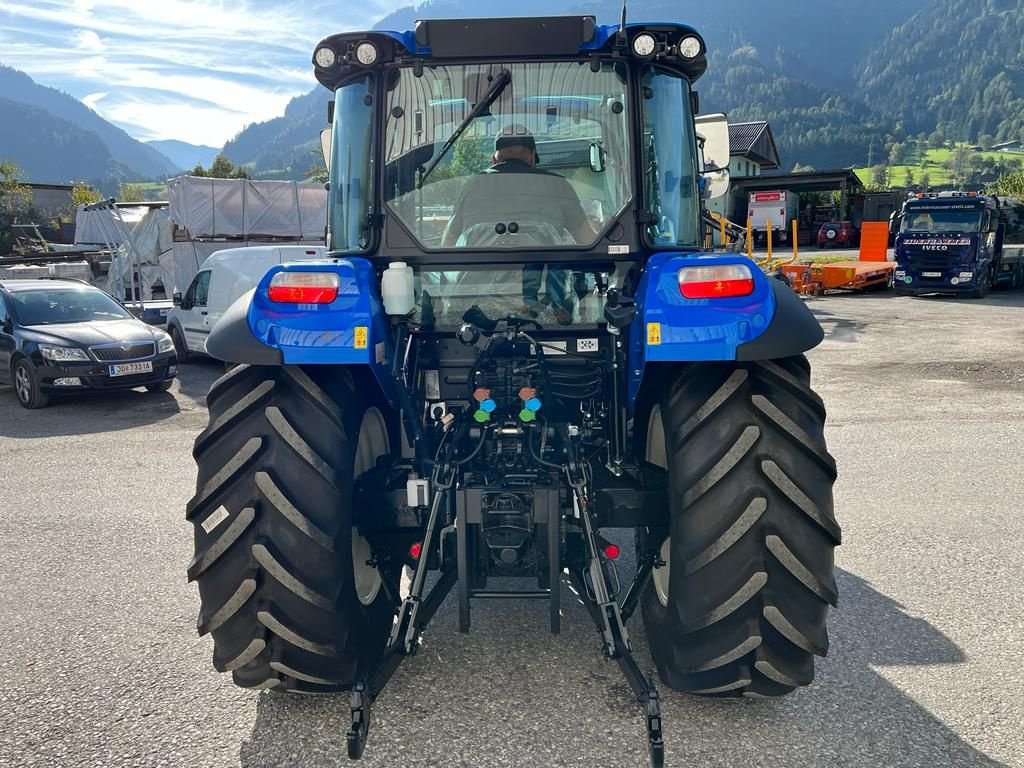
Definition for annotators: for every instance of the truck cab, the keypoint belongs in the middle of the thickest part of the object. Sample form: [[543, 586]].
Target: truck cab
[[950, 242]]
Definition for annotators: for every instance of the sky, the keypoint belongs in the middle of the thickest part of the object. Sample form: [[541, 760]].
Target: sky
[[194, 70]]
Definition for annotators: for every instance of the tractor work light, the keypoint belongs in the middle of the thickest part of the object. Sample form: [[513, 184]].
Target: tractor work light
[[644, 45], [715, 282], [366, 53], [325, 57], [304, 287], [689, 47]]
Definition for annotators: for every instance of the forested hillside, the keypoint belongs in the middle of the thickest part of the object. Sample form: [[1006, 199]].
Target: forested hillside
[[956, 67]]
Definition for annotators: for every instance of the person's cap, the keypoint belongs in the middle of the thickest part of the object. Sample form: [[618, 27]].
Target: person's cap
[[514, 136]]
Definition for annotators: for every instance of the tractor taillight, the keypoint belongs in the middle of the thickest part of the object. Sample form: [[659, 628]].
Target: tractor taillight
[[715, 282], [415, 550], [304, 287]]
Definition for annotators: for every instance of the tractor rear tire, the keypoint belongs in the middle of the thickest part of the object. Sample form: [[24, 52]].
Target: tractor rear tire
[[286, 586], [741, 604]]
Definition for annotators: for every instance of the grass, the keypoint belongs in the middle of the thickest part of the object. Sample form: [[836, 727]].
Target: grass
[[938, 176]]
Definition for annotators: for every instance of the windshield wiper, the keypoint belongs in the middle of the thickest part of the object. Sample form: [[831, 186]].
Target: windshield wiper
[[501, 81]]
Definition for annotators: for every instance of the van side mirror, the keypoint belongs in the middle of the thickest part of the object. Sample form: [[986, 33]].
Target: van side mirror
[[714, 131], [597, 158], [325, 145], [176, 298]]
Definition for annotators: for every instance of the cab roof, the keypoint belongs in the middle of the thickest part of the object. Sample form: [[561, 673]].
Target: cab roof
[[509, 38]]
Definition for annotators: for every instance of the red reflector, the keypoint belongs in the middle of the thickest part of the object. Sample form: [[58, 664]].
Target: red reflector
[[612, 552], [415, 551], [303, 287], [715, 282]]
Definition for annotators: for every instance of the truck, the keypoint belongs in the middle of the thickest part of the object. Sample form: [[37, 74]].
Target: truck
[[778, 208], [952, 243], [516, 360]]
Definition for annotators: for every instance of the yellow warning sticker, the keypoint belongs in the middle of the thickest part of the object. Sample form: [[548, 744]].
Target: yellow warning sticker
[[361, 337], [654, 334]]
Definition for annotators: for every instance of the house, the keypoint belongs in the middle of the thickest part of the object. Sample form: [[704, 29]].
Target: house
[[1009, 146], [753, 150]]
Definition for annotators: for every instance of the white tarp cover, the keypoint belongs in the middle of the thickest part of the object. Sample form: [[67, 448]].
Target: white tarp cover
[[100, 227], [245, 208], [151, 253]]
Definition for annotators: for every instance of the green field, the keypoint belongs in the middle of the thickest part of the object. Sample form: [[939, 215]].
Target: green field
[[938, 175]]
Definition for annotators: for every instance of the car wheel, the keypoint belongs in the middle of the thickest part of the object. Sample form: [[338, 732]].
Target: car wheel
[[160, 386], [26, 386], [179, 344]]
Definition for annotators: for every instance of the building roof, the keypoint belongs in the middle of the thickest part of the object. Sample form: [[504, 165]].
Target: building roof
[[61, 187], [754, 141], [811, 181]]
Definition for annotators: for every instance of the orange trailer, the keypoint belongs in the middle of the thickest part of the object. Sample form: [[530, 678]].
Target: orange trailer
[[815, 279]]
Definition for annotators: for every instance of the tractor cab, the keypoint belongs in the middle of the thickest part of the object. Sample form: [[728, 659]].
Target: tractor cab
[[499, 146]]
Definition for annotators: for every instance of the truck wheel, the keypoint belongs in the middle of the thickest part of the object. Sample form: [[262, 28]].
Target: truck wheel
[[983, 287], [739, 607], [286, 584]]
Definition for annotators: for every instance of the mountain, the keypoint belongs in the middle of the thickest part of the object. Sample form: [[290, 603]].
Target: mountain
[[50, 149], [956, 66], [834, 78], [185, 156], [143, 161]]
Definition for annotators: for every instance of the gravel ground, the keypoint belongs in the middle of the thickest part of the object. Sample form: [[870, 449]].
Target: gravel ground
[[102, 666]]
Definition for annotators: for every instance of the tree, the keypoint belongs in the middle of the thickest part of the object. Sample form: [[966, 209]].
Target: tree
[[801, 168], [986, 140], [131, 193], [897, 153], [937, 140], [1010, 185], [221, 168], [908, 180], [880, 176], [925, 182], [15, 202]]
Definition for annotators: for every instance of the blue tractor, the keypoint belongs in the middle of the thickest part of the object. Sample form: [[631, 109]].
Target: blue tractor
[[516, 346]]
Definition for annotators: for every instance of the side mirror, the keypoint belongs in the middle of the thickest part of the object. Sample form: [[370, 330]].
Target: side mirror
[[325, 145], [7, 326], [714, 131], [176, 299], [597, 158]]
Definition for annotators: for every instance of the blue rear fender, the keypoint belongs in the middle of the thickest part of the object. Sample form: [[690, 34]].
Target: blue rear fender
[[770, 323], [351, 330]]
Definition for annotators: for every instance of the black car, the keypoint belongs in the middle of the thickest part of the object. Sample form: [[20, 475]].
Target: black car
[[60, 336]]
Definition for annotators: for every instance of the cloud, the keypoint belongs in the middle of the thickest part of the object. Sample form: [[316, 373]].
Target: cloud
[[195, 70], [87, 40]]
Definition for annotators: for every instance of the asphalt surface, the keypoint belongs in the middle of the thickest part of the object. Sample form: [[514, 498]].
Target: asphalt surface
[[101, 665]]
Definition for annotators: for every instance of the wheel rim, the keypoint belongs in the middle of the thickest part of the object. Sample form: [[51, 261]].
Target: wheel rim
[[373, 443], [657, 454], [22, 384]]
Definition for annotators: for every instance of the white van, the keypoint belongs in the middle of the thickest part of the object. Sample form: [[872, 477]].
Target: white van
[[224, 277]]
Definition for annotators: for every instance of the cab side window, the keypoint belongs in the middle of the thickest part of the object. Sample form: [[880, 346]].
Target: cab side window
[[3, 312], [199, 290], [202, 289]]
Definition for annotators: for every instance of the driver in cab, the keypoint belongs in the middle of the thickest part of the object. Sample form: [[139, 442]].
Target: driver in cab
[[514, 196]]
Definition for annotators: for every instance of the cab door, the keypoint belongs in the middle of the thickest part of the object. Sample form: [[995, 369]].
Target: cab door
[[196, 319]]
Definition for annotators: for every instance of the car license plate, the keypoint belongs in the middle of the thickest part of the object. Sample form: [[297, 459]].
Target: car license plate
[[128, 369], [931, 274]]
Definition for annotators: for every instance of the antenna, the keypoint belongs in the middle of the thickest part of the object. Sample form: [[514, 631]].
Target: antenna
[[621, 38]]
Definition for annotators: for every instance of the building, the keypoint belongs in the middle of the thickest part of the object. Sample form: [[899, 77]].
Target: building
[[753, 150], [1009, 146], [50, 199]]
